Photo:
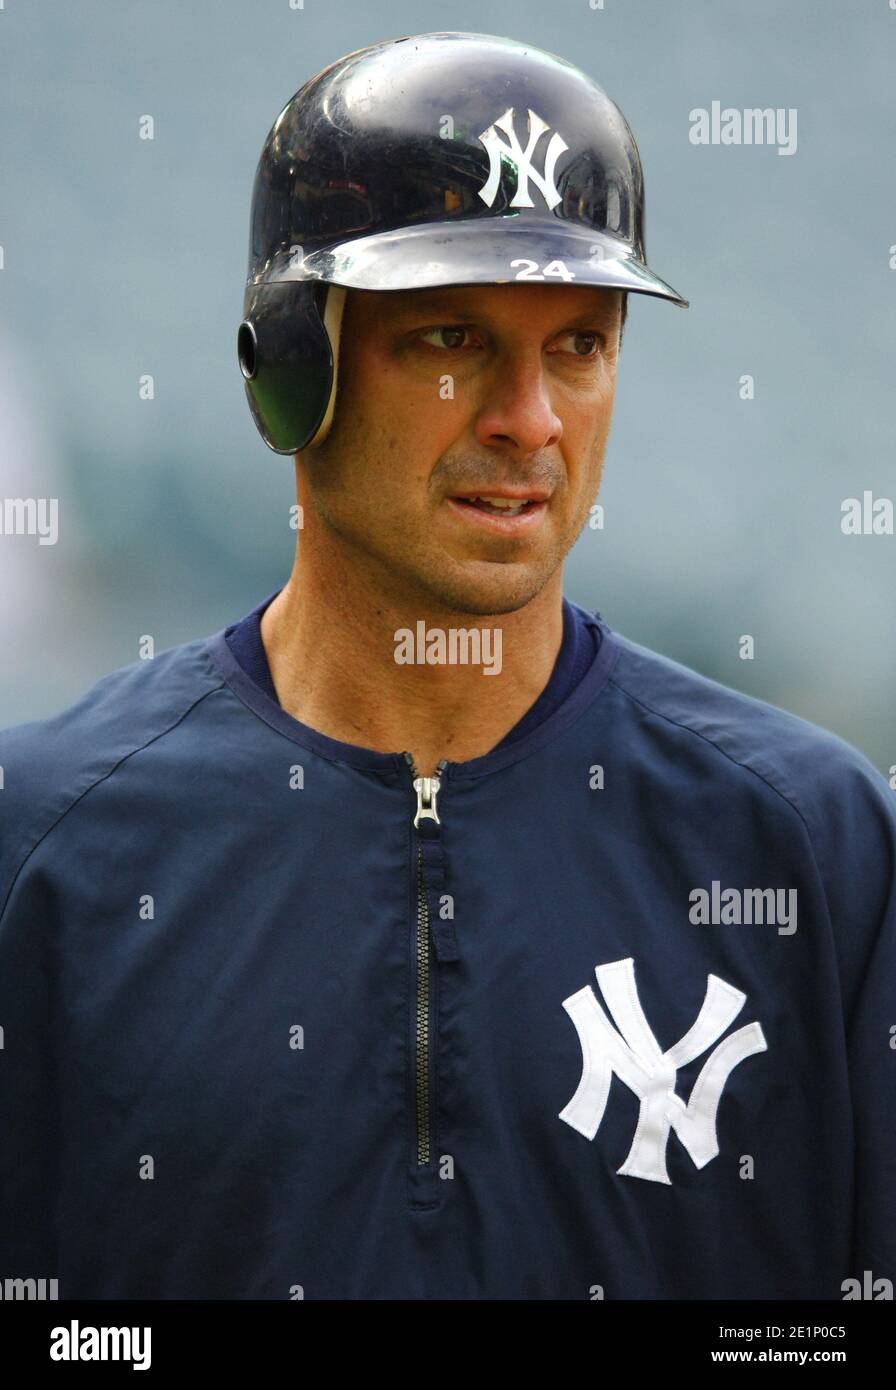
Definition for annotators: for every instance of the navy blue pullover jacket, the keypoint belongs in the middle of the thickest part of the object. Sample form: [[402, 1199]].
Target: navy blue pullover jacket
[[608, 1013]]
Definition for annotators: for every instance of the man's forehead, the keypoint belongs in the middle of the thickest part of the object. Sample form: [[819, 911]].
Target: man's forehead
[[476, 300]]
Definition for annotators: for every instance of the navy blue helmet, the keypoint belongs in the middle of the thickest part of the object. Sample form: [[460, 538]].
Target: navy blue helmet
[[436, 159]]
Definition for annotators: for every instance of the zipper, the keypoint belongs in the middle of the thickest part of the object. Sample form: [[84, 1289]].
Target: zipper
[[427, 790]]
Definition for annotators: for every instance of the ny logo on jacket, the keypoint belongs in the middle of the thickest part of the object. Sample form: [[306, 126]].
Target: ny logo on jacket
[[634, 1054]]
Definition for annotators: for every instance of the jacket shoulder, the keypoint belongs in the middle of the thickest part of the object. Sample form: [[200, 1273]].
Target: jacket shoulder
[[819, 773], [47, 765]]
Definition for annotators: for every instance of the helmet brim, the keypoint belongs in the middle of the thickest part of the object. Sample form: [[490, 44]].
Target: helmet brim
[[481, 251]]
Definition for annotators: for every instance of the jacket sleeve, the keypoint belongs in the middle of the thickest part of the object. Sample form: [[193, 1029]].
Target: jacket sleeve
[[858, 839], [28, 1139]]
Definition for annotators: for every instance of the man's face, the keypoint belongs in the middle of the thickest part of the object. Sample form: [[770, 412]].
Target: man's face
[[450, 393]]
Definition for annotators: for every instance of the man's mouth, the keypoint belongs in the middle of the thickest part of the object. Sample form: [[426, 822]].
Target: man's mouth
[[501, 503], [509, 512]]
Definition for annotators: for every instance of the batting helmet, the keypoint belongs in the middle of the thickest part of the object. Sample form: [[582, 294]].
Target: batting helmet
[[436, 159]]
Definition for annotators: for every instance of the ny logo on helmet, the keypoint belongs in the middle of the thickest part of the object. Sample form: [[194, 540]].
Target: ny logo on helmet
[[636, 1059], [522, 159]]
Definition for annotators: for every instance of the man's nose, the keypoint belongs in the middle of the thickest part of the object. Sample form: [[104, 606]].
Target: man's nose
[[517, 410]]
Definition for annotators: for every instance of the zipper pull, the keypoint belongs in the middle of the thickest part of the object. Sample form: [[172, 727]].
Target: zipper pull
[[432, 859], [427, 789], [432, 882]]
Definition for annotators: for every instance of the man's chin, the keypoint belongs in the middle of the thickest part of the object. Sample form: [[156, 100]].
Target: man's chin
[[487, 589]]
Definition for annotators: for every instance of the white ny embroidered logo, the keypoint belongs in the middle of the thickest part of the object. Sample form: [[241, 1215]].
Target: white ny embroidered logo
[[522, 160], [636, 1059]]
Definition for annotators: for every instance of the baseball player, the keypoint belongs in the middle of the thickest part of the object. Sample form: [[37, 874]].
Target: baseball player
[[419, 936]]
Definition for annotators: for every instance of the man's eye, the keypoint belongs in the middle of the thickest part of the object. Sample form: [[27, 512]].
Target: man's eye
[[445, 336], [585, 343]]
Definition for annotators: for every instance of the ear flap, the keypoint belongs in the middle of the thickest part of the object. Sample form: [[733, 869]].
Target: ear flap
[[333, 309], [287, 361]]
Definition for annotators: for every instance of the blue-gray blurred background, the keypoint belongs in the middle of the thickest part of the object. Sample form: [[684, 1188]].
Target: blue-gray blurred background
[[124, 257]]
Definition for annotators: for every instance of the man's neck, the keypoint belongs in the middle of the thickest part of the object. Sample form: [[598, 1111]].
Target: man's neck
[[333, 662]]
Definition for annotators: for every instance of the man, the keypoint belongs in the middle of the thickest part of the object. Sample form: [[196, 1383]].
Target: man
[[419, 936]]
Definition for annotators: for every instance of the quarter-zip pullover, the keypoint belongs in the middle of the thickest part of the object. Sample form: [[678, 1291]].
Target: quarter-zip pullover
[[606, 1012]]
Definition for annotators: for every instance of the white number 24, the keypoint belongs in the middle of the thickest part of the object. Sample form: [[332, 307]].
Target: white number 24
[[530, 270]]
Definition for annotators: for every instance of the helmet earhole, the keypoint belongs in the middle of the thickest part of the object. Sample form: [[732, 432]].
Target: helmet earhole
[[247, 349]]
